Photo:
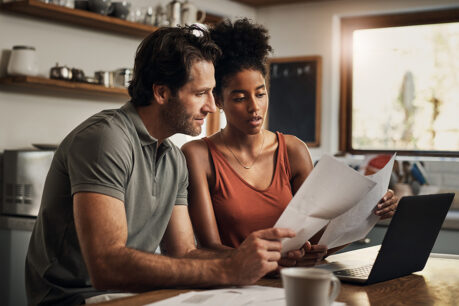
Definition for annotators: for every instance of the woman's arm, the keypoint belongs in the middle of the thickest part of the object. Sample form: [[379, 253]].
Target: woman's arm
[[201, 176], [300, 161]]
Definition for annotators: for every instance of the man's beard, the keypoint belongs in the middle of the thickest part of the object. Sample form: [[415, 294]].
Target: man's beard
[[178, 119]]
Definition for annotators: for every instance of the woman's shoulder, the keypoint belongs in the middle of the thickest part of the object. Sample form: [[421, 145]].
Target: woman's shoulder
[[197, 146], [297, 150], [197, 156], [293, 143]]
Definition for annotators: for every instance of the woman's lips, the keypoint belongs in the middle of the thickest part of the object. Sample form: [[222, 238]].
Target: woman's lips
[[255, 121]]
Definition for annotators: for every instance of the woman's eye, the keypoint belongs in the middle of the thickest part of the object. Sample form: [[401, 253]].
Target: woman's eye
[[238, 99]]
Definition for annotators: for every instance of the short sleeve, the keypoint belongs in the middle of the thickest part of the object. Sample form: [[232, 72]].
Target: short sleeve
[[182, 192], [99, 159]]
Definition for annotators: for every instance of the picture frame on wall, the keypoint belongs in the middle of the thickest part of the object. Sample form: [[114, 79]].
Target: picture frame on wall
[[294, 85]]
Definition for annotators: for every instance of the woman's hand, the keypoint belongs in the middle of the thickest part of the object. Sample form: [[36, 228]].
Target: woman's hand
[[387, 205], [309, 255]]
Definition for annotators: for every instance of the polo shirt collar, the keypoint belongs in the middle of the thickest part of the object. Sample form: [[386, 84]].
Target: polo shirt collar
[[144, 136]]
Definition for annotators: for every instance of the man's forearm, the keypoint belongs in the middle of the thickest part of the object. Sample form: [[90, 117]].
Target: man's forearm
[[223, 252], [132, 270]]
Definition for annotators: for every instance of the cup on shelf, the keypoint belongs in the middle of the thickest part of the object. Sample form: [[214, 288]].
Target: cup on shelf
[[102, 7], [190, 13], [173, 9], [104, 78], [149, 16], [122, 77], [82, 5], [121, 9], [66, 3], [23, 61], [137, 14], [161, 18], [78, 75]]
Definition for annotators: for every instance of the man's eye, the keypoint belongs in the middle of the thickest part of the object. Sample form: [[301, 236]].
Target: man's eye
[[261, 95], [200, 94]]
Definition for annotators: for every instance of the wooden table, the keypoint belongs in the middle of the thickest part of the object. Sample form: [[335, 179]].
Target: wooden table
[[437, 284]]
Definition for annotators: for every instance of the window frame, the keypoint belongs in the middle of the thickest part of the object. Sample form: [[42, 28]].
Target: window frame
[[348, 26]]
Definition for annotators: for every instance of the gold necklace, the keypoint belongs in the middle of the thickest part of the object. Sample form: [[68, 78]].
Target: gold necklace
[[259, 153]]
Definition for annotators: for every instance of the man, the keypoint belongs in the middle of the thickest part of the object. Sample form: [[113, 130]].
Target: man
[[117, 188]]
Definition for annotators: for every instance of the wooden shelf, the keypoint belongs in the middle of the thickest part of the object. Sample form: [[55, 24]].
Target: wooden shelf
[[85, 18], [69, 87], [78, 17]]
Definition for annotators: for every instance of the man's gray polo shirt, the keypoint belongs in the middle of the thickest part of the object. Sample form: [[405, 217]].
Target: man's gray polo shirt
[[113, 154]]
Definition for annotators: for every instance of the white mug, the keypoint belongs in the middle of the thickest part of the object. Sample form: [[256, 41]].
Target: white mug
[[190, 14], [309, 286]]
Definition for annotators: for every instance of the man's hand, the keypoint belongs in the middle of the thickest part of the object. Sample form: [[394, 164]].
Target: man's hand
[[309, 255], [257, 255], [387, 205]]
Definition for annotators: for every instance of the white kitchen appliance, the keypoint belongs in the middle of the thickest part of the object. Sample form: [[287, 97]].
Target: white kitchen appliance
[[24, 174]]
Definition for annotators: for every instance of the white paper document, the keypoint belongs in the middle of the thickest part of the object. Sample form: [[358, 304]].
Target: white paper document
[[333, 189], [248, 295], [357, 222], [237, 296]]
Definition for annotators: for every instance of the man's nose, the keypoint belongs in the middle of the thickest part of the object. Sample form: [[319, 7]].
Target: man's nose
[[210, 106]]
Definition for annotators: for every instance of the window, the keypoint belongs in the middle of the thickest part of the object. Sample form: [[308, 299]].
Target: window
[[400, 83]]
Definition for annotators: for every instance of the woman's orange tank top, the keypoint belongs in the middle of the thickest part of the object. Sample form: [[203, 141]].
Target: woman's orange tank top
[[241, 209]]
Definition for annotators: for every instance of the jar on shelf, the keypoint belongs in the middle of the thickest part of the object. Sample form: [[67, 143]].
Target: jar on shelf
[[23, 61]]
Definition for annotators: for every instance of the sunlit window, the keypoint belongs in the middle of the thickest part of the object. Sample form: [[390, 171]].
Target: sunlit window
[[403, 88]]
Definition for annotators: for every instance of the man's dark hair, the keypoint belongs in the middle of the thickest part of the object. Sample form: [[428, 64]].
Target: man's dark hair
[[244, 46], [165, 57]]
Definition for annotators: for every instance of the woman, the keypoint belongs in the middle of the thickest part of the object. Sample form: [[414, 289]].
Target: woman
[[243, 177]]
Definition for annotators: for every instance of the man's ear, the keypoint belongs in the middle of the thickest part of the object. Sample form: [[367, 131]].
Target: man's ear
[[161, 93]]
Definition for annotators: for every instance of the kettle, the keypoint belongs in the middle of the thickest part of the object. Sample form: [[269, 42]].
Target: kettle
[[189, 14], [60, 72]]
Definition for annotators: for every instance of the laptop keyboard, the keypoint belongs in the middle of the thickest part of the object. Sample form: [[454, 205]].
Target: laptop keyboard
[[361, 272]]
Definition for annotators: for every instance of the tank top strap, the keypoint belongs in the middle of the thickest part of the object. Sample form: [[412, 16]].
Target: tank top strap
[[283, 154]]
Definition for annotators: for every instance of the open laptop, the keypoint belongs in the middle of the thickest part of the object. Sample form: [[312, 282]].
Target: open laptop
[[408, 241]]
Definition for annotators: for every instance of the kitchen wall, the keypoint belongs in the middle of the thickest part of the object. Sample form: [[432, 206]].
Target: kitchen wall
[[28, 116]]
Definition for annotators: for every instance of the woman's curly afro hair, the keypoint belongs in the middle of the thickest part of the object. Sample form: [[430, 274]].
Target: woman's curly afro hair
[[244, 46]]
